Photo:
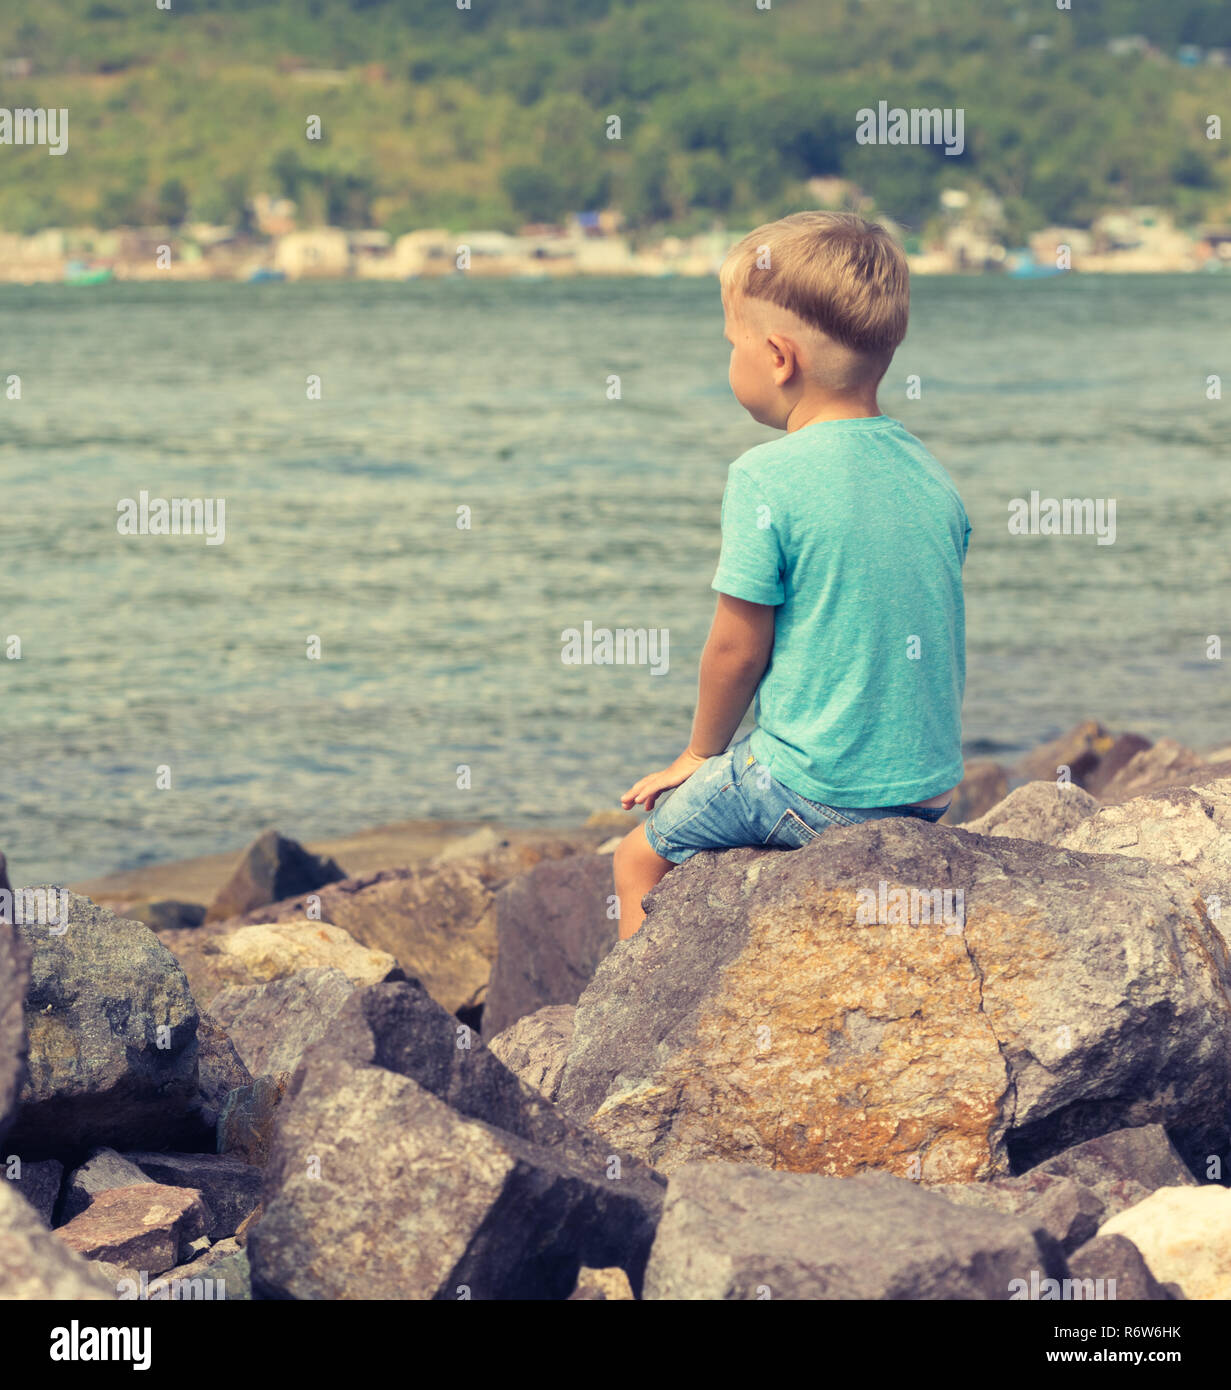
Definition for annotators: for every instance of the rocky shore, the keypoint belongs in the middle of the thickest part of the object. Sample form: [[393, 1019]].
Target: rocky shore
[[985, 1060]]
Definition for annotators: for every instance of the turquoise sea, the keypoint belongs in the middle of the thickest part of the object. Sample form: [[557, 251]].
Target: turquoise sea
[[441, 646]]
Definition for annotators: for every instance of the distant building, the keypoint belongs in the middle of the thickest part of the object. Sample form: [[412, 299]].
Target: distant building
[[320, 252]]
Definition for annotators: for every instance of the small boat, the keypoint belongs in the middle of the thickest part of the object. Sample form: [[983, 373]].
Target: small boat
[[262, 276], [79, 273], [1023, 266]]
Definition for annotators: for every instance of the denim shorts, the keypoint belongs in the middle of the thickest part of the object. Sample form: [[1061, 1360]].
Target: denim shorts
[[732, 800]]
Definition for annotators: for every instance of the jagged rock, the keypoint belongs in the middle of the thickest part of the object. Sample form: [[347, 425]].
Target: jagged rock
[[1080, 750], [112, 1037], [247, 1224], [1184, 1235], [756, 1017], [984, 783], [535, 1048], [1112, 763], [277, 950], [219, 1070], [37, 1181], [165, 914], [554, 925], [104, 1171], [14, 977], [1109, 1258], [221, 1274], [147, 1228], [273, 1025], [249, 1114], [733, 1231], [1043, 811], [1161, 765], [1063, 1209], [438, 923], [601, 1285], [485, 1189], [1124, 1167], [35, 1265], [481, 841], [230, 1187], [1188, 828], [270, 869]]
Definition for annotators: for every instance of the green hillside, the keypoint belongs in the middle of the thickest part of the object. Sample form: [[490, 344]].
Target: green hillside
[[496, 115]]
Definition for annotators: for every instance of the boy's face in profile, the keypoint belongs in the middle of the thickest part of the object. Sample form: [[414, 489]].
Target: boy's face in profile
[[752, 362]]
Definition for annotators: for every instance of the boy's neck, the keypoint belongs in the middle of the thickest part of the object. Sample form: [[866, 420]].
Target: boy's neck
[[813, 409]]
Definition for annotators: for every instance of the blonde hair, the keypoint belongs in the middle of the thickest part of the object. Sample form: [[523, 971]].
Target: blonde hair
[[836, 271]]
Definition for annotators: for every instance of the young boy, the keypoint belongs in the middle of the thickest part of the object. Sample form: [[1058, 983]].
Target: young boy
[[839, 581]]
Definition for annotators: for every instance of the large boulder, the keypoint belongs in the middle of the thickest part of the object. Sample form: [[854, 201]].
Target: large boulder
[[779, 1008], [470, 1186], [1112, 763], [554, 925], [14, 976], [1188, 828], [270, 869], [1043, 811], [1184, 1234], [276, 950], [248, 1119], [273, 1025], [112, 1037], [35, 1265], [731, 1231], [535, 1048]]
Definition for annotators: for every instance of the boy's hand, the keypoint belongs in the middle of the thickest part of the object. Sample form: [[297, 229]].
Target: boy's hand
[[647, 791]]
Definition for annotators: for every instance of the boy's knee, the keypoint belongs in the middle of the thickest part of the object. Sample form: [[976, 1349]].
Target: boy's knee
[[635, 852]]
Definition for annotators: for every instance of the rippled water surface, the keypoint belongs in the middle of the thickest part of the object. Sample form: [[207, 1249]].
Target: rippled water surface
[[440, 646]]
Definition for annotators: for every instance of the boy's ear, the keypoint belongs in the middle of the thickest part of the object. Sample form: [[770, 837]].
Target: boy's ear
[[785, 357]]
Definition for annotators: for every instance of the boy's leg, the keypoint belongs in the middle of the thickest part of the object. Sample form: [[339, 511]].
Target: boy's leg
[[637, 869]]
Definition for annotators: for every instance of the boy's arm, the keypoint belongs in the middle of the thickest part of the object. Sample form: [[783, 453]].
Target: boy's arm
[[736, 654]]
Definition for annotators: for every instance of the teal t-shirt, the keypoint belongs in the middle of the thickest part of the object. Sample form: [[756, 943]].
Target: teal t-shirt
[[858, 536]]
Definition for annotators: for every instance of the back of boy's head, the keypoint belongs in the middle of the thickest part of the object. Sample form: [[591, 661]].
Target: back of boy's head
[[841, 274]]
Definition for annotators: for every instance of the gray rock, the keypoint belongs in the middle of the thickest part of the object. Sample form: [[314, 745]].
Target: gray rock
[[38, 1182], [1122, 751], [219, 1070], [1062, 1209], [1165, 764], [507, 1205], [1108, 1258], [273, 1025], [165, 914], [731, 1231], [535, 1048], [1080, 750], [231, 1188], [221, 1274], [105, 1169], [14, 976], [112, 1037], [270, 869], [553, 926], [1043, 811], [775, 1009], [1187, 828], [249, 1115], [34, 1264], [1124, 1167]]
